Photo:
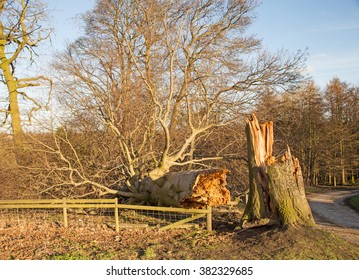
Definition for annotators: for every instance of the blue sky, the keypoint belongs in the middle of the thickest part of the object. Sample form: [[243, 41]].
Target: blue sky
[[328, 28], [64, 15]]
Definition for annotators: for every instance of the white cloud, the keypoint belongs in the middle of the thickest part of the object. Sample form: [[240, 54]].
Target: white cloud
[[332, 28], [333, 61], [319, 56], [323, 67], [309, 70]]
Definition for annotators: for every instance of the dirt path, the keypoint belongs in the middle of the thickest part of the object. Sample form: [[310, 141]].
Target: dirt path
[[331, 213]]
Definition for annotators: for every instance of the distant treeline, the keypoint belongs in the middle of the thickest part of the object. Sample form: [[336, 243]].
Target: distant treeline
[[322, 126], [150, 89]]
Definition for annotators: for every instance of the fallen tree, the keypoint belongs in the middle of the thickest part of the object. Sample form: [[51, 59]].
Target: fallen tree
[[276, 186], [144, 93], [191, 189]]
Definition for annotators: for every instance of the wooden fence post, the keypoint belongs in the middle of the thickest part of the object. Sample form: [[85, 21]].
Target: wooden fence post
[[116, 215], [64, 204], [209, 218], [65, 216]]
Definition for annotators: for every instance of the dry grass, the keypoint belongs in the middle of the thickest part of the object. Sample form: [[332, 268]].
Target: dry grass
[[51, 241]]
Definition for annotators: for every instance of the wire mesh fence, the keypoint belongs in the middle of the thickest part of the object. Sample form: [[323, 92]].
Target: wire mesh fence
[[101, 213]]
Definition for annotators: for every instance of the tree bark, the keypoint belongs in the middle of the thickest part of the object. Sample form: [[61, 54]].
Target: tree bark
[[15, 119], [14, 110], [276, 186]]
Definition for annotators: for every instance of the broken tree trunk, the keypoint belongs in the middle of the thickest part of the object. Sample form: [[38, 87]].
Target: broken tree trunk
[[191, 189], [276, 186]]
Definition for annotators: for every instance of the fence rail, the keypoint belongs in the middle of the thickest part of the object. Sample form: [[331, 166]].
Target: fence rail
[[66, 204]]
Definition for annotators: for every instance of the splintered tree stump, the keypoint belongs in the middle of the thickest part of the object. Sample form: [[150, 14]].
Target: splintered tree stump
[[276, 186], [191, 189]]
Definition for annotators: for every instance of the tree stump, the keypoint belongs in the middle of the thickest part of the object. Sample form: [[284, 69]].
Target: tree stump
[[276, 186]]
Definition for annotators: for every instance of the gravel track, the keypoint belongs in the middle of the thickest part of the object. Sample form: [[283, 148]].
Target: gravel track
[[331, 213], [330, 207]]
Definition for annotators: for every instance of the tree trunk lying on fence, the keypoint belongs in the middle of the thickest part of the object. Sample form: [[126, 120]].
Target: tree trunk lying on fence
[[276, 186], [191, 189]]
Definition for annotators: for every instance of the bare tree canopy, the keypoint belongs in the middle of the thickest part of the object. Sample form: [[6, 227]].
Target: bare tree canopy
[[159, 77], [155, 90], [21, 31], [321, 127]]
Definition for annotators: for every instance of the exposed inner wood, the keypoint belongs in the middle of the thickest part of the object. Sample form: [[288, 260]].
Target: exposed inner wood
[[276, 190], [209, 189], [190, 189], [262, 141]]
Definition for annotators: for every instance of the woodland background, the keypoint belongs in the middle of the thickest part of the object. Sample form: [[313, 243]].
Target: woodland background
[[158, 86]]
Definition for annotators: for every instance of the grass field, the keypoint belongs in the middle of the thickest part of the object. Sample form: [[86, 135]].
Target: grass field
[[353, 202], [41, 240], [50, 241]]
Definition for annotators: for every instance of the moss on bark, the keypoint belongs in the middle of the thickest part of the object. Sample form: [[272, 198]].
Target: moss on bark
[[276, 190]]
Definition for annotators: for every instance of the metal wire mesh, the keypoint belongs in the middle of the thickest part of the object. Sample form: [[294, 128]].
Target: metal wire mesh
[[97, 217]]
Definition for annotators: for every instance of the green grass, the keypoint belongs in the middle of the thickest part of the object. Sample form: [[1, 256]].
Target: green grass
[[323, 189], [79, 250], [353, 202], [149, 253], [70, 256], [313, 189]]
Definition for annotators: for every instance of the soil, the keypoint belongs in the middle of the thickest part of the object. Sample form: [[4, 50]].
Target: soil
[[57, 243], [49, 240]]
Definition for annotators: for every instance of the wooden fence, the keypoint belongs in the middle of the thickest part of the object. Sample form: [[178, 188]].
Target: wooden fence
[[66, 204]]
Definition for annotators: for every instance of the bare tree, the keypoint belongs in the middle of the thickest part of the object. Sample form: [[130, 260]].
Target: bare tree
[[305, 132], [161, 76], [20, 33], [341, 103], [320, 126]]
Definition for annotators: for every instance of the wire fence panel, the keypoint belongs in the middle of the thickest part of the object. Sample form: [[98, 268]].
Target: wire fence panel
[[99, 212]]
